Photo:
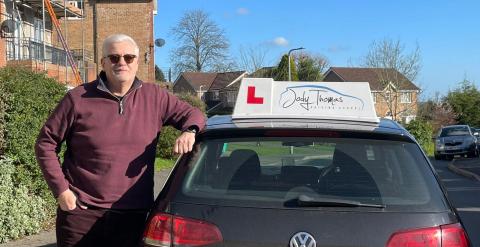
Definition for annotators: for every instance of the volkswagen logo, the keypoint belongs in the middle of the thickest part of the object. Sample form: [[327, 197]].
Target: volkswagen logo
[[302, 239]]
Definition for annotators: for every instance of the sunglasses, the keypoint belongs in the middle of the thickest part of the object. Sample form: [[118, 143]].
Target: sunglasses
[[115, 58]]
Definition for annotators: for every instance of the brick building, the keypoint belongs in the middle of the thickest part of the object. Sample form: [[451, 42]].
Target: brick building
[[25, 41], [26, 37], [105, 17]]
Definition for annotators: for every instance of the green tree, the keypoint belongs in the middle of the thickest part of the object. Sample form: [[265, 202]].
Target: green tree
[[311, 68], [159, 76], [465, 101], [281, 72]]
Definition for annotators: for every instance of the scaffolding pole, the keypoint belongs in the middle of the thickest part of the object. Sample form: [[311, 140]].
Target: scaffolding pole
[[43, 37], [55, 22]]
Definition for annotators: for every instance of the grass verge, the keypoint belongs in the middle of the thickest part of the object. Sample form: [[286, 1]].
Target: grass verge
[[161, 164]]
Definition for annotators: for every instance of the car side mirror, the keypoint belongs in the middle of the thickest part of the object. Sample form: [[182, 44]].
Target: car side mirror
[[475, 134]]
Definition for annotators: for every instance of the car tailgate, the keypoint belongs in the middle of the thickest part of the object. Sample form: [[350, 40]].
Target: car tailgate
[[249, 227]]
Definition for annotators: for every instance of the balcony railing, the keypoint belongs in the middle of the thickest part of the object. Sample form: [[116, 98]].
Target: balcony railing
[[31, 49]]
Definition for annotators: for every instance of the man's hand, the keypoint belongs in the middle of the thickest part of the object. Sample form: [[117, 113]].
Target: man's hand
[[68, 201], [184, 143]]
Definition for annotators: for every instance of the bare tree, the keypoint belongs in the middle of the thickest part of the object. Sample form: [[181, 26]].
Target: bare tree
[[438, 112], [389, 57], [252, 58], [202, 44]]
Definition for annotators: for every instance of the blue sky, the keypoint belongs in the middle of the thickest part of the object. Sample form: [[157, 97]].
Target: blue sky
[[447, 32]]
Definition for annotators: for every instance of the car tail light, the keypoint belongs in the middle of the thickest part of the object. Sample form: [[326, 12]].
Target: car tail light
[[442, 236], [168, 230]]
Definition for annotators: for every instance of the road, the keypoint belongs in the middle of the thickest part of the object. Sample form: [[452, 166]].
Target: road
[[463, 194]]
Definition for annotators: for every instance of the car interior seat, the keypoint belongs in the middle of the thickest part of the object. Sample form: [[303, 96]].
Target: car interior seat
[[347, 177], [245, 165]]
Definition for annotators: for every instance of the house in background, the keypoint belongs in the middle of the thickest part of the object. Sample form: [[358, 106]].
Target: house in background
[[196, 83], [393, 94], [218, 90]]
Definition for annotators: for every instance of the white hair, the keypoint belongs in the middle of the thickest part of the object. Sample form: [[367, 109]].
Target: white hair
[[115, 38]]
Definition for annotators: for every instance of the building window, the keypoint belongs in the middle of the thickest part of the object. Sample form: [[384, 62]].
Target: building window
[[406, 97], [231, 96], [215, 95], [38, 29], [388, 97], [78, 4]]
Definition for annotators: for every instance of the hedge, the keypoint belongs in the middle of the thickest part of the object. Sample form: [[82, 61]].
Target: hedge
[[170, 134], [28, 99], [21, 212], [422, 130]]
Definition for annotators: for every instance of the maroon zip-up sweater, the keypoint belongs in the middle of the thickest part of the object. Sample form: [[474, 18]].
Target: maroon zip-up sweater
[[111, 142]]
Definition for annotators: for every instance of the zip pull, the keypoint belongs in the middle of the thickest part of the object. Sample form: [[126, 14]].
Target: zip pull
[[121, 107]]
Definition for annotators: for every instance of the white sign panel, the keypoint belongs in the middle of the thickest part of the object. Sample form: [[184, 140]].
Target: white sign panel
[[265, 98]]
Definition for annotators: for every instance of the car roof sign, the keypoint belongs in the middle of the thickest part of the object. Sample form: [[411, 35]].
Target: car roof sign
[[266, 98]]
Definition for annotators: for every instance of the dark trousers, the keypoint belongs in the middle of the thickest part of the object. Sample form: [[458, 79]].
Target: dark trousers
[[100, 227]]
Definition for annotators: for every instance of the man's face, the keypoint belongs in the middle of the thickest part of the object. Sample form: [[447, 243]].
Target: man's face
[[121, 71]]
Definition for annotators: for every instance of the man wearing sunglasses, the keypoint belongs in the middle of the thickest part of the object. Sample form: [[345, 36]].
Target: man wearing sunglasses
[[104, 187]]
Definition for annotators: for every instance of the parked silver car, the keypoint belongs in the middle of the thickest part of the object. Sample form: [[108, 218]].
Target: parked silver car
[[456, 140]]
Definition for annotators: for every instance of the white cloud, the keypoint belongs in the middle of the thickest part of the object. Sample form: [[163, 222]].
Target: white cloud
[[243, 11], [280, 41]]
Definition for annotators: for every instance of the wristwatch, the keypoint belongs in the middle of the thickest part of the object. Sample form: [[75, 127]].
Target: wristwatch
[[191, 129]]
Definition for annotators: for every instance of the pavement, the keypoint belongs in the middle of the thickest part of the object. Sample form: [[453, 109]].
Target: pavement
[[466, 167], [48, 239]]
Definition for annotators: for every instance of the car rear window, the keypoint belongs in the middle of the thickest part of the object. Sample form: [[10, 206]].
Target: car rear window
[[271, 171], [455, 131]]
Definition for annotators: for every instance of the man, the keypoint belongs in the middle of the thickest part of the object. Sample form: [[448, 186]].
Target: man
[[104, 187]]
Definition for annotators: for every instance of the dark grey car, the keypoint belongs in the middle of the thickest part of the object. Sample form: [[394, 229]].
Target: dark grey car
[[456, 140], [302, 183]]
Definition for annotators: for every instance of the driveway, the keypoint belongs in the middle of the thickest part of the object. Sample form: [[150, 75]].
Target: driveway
[[47, 238]]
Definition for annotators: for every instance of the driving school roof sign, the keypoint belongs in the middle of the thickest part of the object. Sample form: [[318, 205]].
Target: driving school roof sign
[[265, 98]]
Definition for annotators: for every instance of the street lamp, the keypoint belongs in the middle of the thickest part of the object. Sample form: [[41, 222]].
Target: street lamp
[[289, 70]]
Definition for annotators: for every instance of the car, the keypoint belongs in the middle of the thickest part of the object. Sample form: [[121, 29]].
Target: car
[[476, 133], [456, 140], [303, 165]]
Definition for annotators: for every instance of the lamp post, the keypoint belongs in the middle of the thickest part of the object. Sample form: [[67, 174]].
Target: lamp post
[[289, 70]]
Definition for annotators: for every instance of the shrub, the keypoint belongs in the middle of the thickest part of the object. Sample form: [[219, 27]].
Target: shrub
[[29, 98], [170, 134], [21, 212], [423, 132]]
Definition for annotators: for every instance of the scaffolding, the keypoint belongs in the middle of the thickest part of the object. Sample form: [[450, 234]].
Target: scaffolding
[[56, 23], [24, 28]]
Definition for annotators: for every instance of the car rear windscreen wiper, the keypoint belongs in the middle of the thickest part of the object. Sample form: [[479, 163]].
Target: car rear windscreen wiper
[[307, 201]]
